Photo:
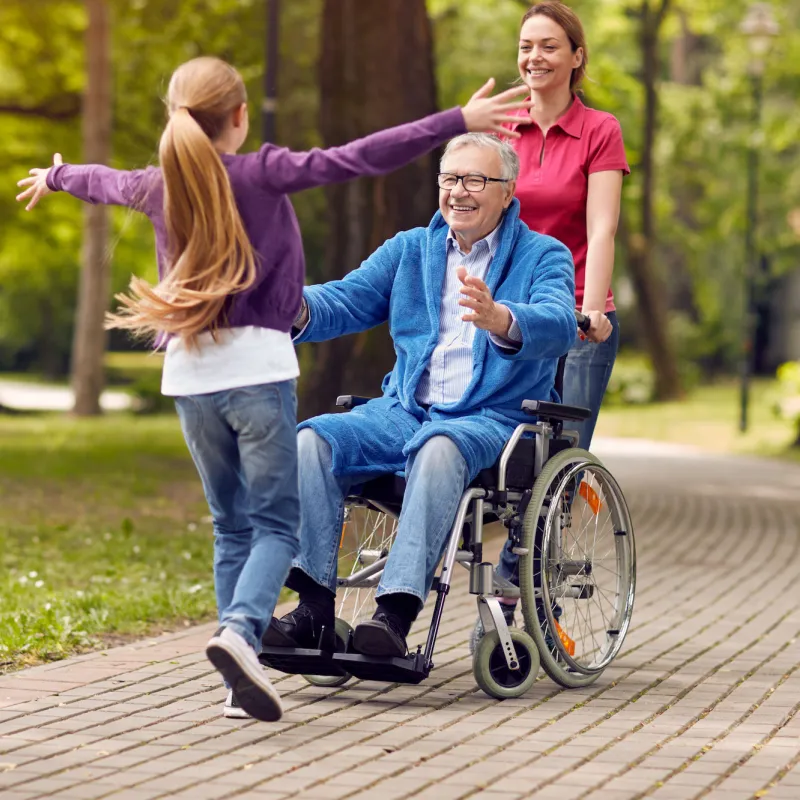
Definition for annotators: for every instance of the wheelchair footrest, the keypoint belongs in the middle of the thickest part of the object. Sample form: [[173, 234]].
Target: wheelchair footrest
[[300, 661], [387, 669]]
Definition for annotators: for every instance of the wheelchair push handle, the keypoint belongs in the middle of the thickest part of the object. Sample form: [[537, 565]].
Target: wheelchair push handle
[[584, 323]]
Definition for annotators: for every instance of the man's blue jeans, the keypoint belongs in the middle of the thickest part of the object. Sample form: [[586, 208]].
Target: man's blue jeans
[[586, 375], [244, 445], [436, 475]]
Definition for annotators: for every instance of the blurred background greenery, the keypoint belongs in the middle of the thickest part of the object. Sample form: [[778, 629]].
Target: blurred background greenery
[[705, 266]]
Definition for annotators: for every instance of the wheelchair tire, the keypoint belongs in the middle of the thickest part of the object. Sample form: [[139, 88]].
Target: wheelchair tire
[[491, 670], [562, 595], [343, 631]]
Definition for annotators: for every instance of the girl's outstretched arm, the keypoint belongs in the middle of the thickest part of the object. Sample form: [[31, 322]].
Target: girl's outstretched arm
[[92, 183], [285, 171]]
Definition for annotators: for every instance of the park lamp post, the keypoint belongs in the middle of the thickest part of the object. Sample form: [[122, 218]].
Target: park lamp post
[[759, 26], [269, 104]]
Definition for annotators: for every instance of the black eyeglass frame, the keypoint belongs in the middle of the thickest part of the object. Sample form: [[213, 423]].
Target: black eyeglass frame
[[462, 179]]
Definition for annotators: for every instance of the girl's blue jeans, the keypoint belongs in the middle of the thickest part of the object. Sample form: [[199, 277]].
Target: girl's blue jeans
[[244, 444]]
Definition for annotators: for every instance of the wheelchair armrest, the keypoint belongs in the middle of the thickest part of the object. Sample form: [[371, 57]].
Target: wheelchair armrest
[[349, 401], [555, 411]]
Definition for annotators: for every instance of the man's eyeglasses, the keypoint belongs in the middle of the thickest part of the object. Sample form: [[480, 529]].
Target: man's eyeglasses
[[472, 183]]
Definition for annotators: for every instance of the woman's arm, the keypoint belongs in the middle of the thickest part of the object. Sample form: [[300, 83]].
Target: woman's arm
[[602, 217], [284, 171]]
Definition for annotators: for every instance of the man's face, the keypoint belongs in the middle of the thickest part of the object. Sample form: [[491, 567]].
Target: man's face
[[474, 214]]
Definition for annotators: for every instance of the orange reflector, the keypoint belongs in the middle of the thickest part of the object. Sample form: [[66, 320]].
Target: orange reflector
[[591, 497], [341, 538], [569, 644]]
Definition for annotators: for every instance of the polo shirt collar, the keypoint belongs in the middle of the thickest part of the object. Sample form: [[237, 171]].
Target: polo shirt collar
[[572, 122], [491, 240]]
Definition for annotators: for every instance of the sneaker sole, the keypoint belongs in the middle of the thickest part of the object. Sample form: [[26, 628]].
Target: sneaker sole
[[235, 713], [256, 696]]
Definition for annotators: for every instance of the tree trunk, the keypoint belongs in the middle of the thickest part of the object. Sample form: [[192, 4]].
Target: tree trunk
[[376, 70], [650, 292], [89, 341]]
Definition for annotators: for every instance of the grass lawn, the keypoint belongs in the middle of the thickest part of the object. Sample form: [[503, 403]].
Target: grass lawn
[[104, 534], [709, 419]]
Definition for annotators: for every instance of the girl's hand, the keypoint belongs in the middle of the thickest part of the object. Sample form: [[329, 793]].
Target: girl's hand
[[485, 114], [600, 328], [37, 185]]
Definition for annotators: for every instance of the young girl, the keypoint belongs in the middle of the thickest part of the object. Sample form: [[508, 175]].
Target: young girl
[[231, 273]]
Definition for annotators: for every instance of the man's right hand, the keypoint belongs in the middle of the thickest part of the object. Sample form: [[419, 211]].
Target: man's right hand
[[485, 114]]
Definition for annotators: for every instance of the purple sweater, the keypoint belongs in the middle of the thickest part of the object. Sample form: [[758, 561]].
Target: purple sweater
[[261, 182]]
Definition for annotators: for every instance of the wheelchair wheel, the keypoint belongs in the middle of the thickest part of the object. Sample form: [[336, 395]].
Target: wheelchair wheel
[[578, 577], [343, 631], [491, 670], [366, 540]]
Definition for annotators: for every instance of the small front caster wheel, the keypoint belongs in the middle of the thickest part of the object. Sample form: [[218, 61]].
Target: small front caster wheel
[[492, 672], [343, 631]]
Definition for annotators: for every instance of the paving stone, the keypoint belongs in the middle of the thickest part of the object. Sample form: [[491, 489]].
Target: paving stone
[[690, 698]]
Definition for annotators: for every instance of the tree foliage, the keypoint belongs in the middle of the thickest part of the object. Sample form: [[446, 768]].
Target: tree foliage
[[699, 205]]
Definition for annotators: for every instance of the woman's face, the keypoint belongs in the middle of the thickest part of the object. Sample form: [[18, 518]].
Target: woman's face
[[545, 57]]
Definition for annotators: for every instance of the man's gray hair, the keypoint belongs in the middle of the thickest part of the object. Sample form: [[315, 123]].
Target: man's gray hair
[[509, 160]]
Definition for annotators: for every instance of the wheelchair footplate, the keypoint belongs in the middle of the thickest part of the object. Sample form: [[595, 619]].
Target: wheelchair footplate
[[300, 661], [387, 669]]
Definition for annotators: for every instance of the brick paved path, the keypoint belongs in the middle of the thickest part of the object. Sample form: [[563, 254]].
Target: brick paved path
[[701, 703]]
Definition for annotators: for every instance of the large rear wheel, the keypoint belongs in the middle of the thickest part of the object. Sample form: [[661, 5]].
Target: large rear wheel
[[578, 576]]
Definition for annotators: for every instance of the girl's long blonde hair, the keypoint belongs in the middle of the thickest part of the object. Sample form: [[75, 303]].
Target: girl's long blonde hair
[[210, 256]]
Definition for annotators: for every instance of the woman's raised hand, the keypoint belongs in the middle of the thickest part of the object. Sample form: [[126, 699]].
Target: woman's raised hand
[[487, 114], [37, 185]]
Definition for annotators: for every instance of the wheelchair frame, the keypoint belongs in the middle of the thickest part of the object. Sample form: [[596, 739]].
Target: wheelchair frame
[[507, 504], [483, 580]]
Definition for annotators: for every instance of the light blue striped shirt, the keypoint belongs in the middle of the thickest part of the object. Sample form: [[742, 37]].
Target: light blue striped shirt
[[450, 369]]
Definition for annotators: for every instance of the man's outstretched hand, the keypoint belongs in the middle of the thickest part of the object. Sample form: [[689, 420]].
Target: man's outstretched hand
[[37, 185], [484, 312]]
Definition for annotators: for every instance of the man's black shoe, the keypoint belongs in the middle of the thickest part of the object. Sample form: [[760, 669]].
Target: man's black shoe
[[383, 635], [299, 628]]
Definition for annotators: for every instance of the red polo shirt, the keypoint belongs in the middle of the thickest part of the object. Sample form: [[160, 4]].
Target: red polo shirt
[[553, 186]]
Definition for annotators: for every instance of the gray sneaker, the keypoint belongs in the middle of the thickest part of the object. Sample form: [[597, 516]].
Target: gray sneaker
[[238, 663], [478, 631]]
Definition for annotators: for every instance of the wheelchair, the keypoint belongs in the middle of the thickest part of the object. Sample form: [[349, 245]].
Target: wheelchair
[[568, 523]]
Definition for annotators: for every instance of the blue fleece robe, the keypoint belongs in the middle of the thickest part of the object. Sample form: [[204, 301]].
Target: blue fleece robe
[[402, 282]]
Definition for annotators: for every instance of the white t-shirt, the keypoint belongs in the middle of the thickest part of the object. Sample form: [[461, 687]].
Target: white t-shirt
[[245, 356]]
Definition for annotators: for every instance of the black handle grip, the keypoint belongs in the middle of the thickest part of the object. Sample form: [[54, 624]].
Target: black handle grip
[[584, 323]]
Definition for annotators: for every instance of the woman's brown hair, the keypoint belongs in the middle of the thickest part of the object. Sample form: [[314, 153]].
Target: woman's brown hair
[[210, 255], [567, 19]]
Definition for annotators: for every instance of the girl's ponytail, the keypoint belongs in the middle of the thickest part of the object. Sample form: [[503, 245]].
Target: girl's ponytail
[[210, 255]]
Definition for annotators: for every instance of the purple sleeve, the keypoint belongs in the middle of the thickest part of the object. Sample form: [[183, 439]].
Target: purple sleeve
[[285, 171], [94, 184]]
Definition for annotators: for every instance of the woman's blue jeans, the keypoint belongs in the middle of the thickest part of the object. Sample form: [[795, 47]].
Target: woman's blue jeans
[[244, 444], [586, 375]]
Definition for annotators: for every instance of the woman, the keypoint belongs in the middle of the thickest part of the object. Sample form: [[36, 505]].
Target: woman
[[570, 184], [572, 161]]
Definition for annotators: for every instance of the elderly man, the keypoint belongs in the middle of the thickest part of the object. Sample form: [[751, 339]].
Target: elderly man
[[479, 308]]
